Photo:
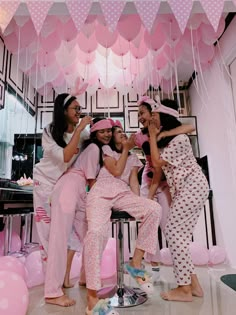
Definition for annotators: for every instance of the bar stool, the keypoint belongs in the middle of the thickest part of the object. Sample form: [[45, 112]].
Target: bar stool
[[125, 296], [8, 215]]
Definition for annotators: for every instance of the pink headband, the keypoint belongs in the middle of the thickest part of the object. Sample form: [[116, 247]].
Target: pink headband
[[101, 124], [146, 99], [166, 110], [157, 106], [116, 123]]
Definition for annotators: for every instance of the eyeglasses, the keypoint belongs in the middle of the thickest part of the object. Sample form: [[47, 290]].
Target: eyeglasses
[[76, 108]]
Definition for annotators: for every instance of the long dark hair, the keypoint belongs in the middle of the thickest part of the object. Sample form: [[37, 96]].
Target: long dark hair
[[168, 122], [93, 139], [59, 123]]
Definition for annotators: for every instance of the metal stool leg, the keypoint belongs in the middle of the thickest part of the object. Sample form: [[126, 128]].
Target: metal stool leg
[[28, 245], [125, 296], [8, 231]]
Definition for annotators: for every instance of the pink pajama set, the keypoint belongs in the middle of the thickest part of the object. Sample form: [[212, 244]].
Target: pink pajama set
[[114, 192], [67, 211], [189, 190], [45, 175], [162, 195]]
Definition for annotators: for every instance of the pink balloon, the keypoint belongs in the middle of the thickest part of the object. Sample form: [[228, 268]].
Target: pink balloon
[[129, 26], [87, 45], [156, 39], [50, 24], [2, 238], [121, 46], [208, 34], [11, 43], [75, 267], [199, 254], [45, 90], [26, 34], [195, 20], [11, 27], [205, 52], [111, 244], [68, 31], [14, 295], [139, 52], [108, 264], [104, 36], [9, 263], [34, 266], [137, 40], [160, 61], [50, 72], [173, 32], [191, 37], [88, 29], [60, 80], [15, 242], [26, 60], [50, 43], [166, 258], [45, 58], [217, 255], [86, 58], [121, 62]]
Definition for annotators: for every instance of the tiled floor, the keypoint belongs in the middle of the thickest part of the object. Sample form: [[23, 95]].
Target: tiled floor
[[219, 299]]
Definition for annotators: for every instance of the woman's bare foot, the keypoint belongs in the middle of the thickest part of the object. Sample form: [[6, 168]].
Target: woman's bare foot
[[92, 301], [63, 300], [196, 287], [82, 284], [68, 285], [182, 294]]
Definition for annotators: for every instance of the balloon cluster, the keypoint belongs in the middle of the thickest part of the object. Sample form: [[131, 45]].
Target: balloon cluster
[[60, 55], [200, 255]]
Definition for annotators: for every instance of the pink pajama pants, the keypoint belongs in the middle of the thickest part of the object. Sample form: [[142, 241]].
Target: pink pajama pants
[[42, 216], [184, 213], [98, 212], [67, 211], [164, 199]]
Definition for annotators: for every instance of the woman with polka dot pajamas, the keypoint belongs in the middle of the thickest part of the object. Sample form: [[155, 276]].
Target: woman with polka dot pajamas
[[189, 190]]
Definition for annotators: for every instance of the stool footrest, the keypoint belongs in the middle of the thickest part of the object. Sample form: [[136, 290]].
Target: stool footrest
[[128, 297]]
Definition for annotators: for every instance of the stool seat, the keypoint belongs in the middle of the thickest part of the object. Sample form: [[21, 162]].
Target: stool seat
[[15, 211], [119, 215]]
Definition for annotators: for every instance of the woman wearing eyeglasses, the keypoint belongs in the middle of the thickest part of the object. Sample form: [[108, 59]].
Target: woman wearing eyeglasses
[[61, 141]]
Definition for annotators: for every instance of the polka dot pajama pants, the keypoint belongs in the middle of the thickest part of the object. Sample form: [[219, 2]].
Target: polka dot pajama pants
[[184, 213]]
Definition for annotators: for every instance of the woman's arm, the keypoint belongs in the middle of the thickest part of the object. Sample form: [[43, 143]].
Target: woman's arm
[[115, 167], [72, 146], [157, 162], [176, 131], [157, 174], [133, 181]]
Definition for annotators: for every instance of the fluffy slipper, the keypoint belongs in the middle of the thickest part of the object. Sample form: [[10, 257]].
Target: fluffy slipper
[[103, 307], [142, 277]]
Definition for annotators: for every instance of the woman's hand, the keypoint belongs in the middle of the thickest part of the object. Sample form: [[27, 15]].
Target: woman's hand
[[84, 122], [153, 129], [129, 143]]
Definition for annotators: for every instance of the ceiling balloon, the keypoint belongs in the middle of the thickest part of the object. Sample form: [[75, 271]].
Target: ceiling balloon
[[129, 26]]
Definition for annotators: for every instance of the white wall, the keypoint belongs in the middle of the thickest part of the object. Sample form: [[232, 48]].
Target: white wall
[[212, 103]]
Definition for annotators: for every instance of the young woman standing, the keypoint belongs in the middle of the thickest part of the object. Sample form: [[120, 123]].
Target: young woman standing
[[61, 141]]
